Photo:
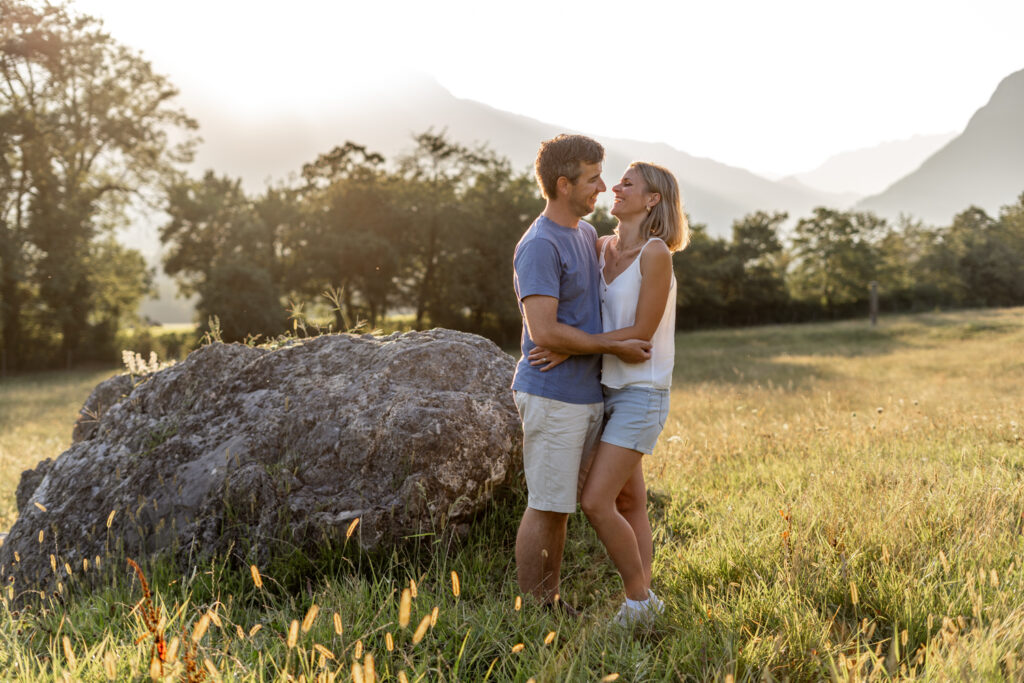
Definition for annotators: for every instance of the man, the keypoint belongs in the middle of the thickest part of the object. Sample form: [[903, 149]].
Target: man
[[557, 281]]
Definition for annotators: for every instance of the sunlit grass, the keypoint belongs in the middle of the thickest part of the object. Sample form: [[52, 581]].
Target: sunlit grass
[[173, 327], [828, 500], [37, 413]]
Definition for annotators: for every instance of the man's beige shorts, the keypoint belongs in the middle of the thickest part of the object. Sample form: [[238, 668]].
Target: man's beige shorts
[[558, 441]]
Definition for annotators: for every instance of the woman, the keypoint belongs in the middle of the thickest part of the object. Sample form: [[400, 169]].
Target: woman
[[637, 302]]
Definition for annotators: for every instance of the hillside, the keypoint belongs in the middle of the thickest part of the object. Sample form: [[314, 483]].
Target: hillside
[[384, 120], [868, 171], [983, 166]]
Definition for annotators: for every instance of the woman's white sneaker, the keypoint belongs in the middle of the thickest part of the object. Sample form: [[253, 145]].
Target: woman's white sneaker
[[634, 612], [656, 604]]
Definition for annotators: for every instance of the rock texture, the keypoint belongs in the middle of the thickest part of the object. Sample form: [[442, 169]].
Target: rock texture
[[255, 450]]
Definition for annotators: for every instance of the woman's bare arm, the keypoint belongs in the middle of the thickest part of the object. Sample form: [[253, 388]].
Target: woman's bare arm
[[655, 285]]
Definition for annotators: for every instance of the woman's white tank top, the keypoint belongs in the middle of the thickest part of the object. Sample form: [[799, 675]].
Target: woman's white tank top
[[618, 310]]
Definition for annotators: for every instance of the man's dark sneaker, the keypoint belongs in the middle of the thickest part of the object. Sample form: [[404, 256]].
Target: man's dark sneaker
[[561, 607]]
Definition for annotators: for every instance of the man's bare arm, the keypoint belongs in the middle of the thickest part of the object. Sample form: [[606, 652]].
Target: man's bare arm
[[541, 316]]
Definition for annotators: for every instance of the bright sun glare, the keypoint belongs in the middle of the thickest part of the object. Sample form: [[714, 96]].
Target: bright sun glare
[[773, 87]]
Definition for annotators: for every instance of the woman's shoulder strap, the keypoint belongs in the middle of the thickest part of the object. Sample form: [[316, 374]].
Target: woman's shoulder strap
[[649, 240], [604, 239]]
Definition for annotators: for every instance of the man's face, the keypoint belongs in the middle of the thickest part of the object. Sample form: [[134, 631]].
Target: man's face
[[583, 193]]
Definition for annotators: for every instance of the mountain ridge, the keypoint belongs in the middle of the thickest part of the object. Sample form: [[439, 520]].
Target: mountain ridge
[[716, 194], [983, 166], [859, 173]]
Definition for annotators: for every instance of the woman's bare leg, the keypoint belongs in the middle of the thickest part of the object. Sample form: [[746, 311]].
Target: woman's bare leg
[[612, 468], [632, 504]]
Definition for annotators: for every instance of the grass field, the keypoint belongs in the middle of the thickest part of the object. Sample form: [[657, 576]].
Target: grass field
[[829, 501], [37, 413]]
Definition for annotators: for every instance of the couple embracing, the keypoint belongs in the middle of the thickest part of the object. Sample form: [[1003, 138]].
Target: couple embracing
[[592, 387]]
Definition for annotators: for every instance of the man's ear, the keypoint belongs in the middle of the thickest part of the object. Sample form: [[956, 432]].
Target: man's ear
[[562, 186]]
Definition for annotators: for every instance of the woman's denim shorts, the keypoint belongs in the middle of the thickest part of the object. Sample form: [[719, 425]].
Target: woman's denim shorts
[[634, 417]]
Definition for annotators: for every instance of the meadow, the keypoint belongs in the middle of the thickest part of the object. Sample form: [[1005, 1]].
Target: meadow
[[829, 501]]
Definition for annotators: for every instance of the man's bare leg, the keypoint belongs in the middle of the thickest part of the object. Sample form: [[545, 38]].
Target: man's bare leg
[[539, 546], [632, 504]]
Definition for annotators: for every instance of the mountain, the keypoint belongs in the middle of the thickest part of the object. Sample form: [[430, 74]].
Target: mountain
[[983, 166], [863, 172], [386, 118], [260, 150], [838, 200]]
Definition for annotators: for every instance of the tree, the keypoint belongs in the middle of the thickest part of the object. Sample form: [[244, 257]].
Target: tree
[[436, 172], [243, 298], [120, 279], [908, 274], [755, 290], [834, 256], [701, 271], [351, 232], [602, 220], [499, 205], [210, 219], [987, 257], [221, 247], [87, 130], [1012, 218], [14, 261]]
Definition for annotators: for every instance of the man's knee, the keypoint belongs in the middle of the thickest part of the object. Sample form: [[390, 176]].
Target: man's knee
[[545, 521]]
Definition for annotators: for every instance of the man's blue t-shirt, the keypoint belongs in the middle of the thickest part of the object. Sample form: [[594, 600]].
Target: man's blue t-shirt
[[553, 260]]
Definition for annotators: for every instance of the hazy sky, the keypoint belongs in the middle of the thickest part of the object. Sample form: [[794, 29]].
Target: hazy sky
[[773, 86]]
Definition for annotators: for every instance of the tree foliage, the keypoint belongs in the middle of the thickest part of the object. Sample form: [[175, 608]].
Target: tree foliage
[[834, 256], [432, 234], [351, 232], [87, 130]]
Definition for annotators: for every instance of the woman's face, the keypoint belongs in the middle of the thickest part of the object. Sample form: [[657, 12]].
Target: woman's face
[[631, 195]]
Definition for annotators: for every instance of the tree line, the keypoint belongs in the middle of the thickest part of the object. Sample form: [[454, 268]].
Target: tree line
[[90, 135], [824, 266], [431, 234]]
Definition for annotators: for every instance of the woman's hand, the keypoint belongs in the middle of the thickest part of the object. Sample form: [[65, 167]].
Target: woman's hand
[[545, 358]]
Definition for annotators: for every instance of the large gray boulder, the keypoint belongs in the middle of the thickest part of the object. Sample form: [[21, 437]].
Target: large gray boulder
[[258, 449]]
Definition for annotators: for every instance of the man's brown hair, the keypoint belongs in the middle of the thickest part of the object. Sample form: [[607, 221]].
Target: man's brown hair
[[562, 156]]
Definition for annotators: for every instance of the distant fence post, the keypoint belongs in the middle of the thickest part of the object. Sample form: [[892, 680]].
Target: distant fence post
[[874, 303]]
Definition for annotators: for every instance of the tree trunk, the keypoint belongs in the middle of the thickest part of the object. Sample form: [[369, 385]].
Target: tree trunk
[[339, 320], [372, 306], [350, 310], [74, 320], [427, 283], [10, 304]]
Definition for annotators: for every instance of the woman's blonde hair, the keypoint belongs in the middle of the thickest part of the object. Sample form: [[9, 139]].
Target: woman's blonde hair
[[666, 219]]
